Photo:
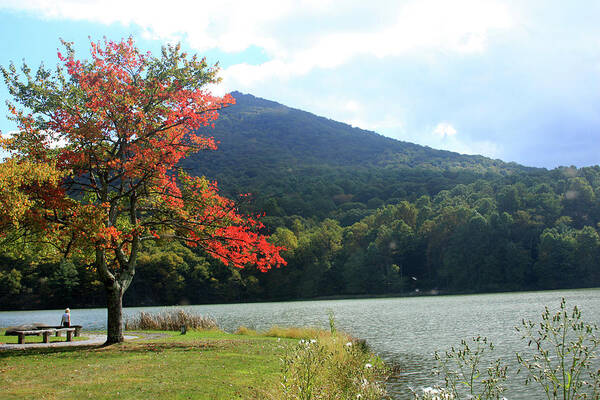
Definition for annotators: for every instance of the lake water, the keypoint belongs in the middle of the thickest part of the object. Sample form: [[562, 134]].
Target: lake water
[[404, 331]]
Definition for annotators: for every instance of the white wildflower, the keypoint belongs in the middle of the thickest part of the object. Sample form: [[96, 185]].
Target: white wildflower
[[430, 393]]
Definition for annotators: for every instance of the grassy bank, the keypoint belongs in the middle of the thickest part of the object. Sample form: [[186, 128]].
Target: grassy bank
[[198, 365]]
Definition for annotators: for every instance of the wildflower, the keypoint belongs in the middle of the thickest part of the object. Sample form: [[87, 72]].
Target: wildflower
[[349, 344], [313, 341], [368, 365]]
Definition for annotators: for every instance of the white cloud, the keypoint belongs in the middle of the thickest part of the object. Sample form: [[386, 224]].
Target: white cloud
[[353, 106], [460, 26], [444, 129], [298, 35], [447, 139], [228, 25]]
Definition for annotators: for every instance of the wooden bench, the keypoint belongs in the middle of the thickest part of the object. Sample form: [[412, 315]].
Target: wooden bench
[[58, 332], [45, 331]]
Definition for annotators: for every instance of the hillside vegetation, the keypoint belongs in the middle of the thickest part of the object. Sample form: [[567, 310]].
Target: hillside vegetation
[[360, 214]]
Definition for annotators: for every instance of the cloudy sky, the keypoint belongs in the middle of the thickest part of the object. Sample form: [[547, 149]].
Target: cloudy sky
[[515, 80]]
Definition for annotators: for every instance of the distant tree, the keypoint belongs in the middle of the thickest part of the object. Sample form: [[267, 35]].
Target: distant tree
[[555, 267], [579, 201], [586, 256], [64, 280], [10, 282], [93, 174], [508, 199]]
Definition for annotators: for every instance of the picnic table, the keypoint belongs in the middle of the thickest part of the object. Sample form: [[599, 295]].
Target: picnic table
[[46, 331]]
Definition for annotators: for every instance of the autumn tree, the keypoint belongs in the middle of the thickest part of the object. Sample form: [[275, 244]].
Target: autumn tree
[[92, 171]]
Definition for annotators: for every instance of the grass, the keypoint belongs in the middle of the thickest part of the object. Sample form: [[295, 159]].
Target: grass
[[199, 365], [203, 364]]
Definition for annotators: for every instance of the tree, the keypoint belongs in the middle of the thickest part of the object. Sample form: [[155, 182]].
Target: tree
[[104, 137]]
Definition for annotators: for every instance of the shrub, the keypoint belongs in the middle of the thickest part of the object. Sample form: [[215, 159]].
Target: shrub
[[242, 330], [332, 366]]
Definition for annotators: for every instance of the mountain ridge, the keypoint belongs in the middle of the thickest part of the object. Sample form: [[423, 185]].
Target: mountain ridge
[[247, 102]]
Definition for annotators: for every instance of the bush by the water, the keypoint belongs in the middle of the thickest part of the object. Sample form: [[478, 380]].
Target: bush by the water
[[332, 367], [327, 365], [171, 320]]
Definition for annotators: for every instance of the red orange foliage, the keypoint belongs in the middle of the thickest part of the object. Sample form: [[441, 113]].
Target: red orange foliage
[[109, 132]]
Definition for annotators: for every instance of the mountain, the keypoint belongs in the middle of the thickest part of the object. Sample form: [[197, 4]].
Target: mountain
[[278, 136], [295, 162]]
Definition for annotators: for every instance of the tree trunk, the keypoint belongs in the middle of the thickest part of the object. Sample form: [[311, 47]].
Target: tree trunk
[[114, 296]]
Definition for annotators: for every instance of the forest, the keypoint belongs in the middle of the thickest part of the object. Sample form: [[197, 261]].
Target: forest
[[359, 215]]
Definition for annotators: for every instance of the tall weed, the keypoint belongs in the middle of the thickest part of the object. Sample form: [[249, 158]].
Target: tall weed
[[564, 347], [170, 320], [331, 366]]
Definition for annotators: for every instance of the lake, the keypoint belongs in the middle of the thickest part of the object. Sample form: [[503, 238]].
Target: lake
[[404, 331]]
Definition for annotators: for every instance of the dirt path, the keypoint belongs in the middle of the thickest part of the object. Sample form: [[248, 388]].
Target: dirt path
[[93, 339]]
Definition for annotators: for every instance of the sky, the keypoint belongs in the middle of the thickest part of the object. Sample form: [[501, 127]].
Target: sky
[[514, 80]]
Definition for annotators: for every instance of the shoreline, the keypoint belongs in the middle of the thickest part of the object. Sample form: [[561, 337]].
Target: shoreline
[[429, 293]]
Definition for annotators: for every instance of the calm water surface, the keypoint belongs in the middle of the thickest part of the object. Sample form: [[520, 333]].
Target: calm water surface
[[404, 331]]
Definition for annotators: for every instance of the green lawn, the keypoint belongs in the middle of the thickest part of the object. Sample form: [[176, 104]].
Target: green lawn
[[199, 365]]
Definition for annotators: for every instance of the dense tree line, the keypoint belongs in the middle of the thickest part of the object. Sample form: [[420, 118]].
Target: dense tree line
[[517, 232], [359, 214], [513, 234]]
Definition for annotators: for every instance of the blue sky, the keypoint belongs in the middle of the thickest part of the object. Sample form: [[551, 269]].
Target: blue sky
[[515, 80]]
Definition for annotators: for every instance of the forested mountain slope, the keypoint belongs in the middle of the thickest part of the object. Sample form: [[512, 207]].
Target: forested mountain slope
[[359, 214], [298, 163]]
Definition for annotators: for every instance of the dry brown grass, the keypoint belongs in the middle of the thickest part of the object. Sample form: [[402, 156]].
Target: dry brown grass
[[301, 333], [171, 320], [279, 332]]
